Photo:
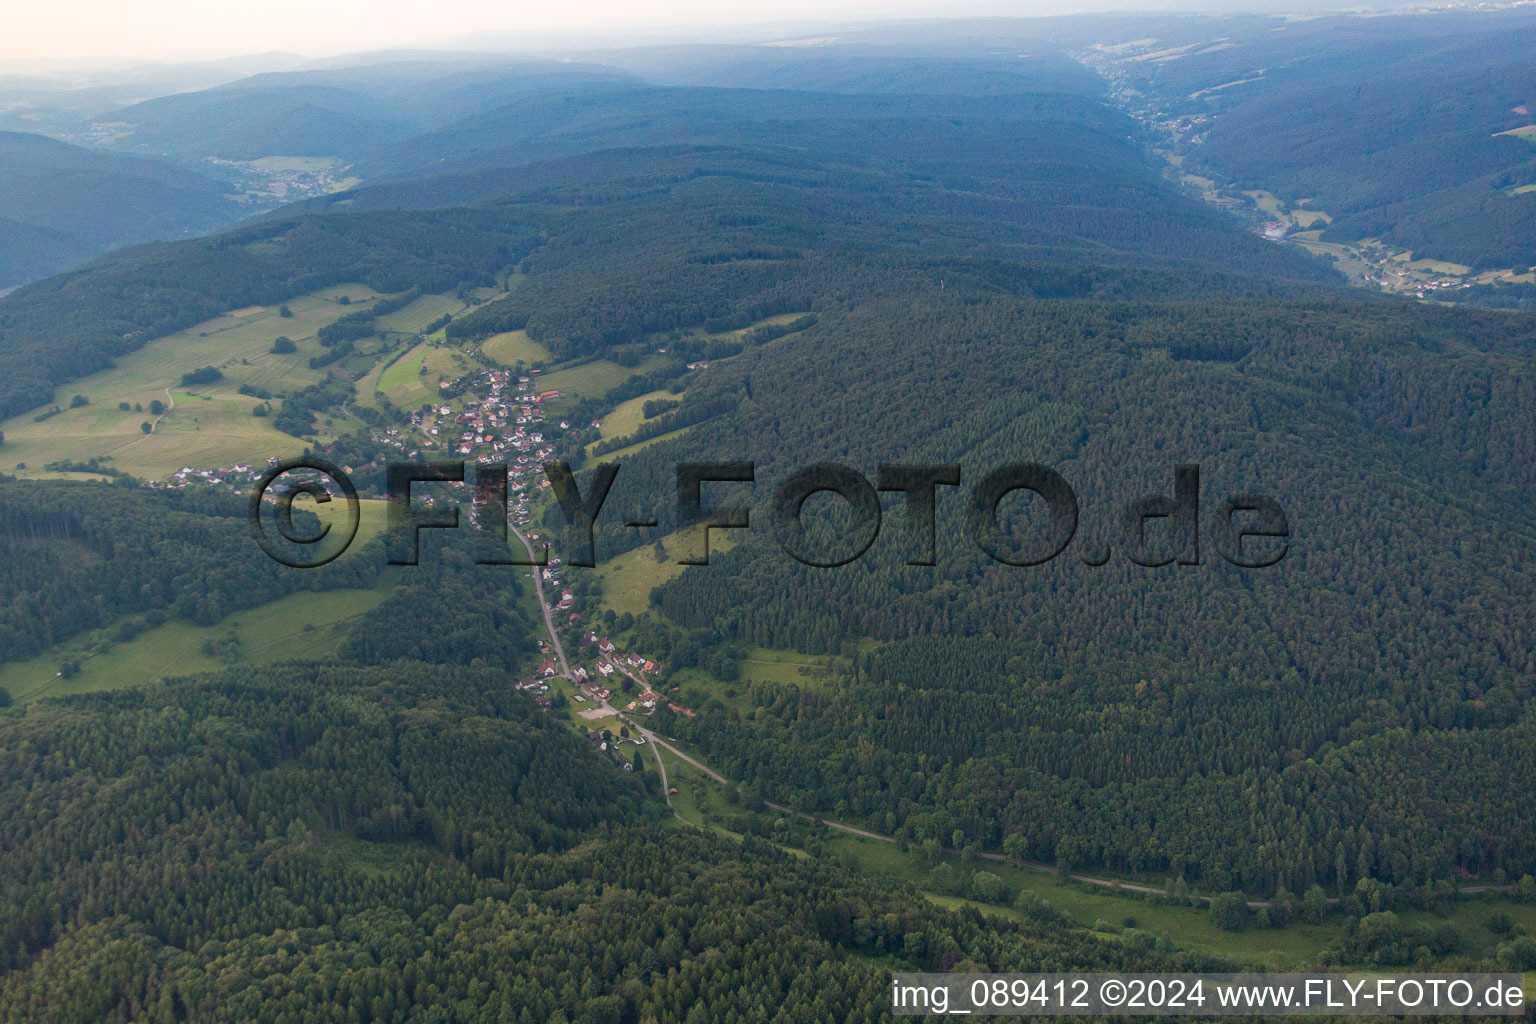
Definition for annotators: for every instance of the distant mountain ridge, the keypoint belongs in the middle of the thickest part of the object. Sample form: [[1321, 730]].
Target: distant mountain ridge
[[62, 204]]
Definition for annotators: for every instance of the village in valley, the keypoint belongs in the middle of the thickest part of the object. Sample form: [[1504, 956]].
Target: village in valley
[[412, 392]]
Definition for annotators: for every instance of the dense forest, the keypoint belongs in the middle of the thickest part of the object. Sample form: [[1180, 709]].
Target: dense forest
[[1386, 638], [1025, 179], [82, 556], [63, 205], [786, 259], [384, 845]]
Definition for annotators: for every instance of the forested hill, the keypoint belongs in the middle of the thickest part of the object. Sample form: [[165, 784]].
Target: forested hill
[[418, 843], [346, 112], [1048, 179], [83, 556], [98, 566], [62, 205], [1048, 124], [1124, 712], [61, 328], [1413, 130]]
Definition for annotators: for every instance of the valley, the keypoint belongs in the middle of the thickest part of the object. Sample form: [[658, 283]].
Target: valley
[[430, 780]]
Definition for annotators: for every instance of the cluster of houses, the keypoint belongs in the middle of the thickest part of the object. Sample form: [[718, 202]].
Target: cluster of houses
[[538, 687], [234, 476], [503, 426], [392, 438]]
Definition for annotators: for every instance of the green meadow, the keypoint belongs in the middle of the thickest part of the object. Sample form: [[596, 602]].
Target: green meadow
[[626, 417], [640, 446], [595, 378], [627, 579], [514, 347], [414, 318], [297, 626], [203, 425]]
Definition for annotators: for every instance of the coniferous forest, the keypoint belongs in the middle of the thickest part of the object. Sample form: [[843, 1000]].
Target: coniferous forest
[[1271, 705]]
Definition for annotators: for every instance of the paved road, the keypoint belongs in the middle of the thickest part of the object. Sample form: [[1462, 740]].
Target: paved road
[[549, 616]]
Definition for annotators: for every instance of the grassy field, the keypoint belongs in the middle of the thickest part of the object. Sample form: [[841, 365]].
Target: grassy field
[[628, 579], [402, 373], [205, 426], [413, 319], [373, 518], [402, 381], [699, 800], [595, 378], [1440, 267], [514, 347], [640, 446], [627, 416], [309, 164], [1526, 132], [297, 626], [1266, 202], [1344, 258], [1184, 926], [788, 667], [1293, 947]]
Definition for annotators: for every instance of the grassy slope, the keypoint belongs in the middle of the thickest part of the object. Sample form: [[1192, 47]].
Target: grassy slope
[[514, 347], [208, 425], [628, 579], [296, 626], [595, 378], [272, 632], [627, 416]]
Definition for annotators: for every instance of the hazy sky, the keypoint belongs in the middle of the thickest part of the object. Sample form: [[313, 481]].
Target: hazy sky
[[180, 29]]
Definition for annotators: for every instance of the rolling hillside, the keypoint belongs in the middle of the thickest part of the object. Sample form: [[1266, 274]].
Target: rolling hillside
[[63, 205]]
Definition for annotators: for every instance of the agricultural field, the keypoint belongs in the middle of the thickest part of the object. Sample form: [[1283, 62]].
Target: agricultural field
[[297, 626], [202, 425], [513, 347], [413, 319], [405, 384], [627, 416], [595, 378]]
